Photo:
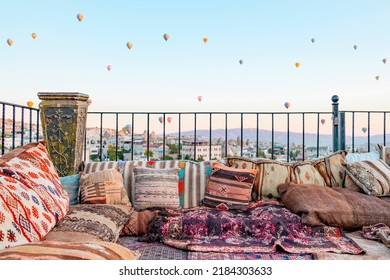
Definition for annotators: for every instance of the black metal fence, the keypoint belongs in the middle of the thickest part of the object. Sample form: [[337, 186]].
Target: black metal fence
[[286, 136], [19, 125]]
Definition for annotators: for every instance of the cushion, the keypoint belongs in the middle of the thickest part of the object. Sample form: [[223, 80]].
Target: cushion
[[384, 152], [350, 184], [307, 173], [229, 188], [372, 176], [245, 163], [103, 187], [271, 174], [156, 188], [71, 185], [193, 176], [335, 169], [89, 222], [31, 195], [59, 250], [139, 222], [334, 206], [353, 157]]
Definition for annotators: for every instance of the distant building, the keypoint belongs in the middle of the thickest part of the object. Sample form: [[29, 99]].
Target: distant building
[[202, 148]]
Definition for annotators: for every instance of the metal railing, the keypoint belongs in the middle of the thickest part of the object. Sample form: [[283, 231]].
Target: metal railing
[[287, 136], [19, 125]]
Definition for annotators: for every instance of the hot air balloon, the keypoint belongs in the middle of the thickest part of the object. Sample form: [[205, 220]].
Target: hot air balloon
[[10, 42], [205, 39], [241, 61], [322, 121], [200, 98], [313, 40], [287, 105], [364, 129], [169, 119], [166, 36], [109, 67], [355, 47], [384, 60], [30, 104], [377, 78], [34, 35], [128, 128], [89, 101], [160, 119], [297, 64], [129, 45], [80, 17]]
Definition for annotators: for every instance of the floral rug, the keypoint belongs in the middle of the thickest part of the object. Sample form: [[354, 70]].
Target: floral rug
[[262, 228]]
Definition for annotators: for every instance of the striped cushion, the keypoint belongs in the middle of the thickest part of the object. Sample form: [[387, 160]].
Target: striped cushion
[[334, 165], [229, 188], [156, 188], [103, 187], [373, 176], [59, 250]]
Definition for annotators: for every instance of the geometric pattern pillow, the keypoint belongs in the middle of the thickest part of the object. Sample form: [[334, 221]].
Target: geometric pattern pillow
[[271, 174], [91, 222], [229, 188], [335, 168], [156, 188], [306, 173], [372, 176], [103, 187], [32, 200]]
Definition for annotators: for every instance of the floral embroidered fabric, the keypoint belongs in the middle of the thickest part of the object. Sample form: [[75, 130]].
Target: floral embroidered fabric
[[263, 227]]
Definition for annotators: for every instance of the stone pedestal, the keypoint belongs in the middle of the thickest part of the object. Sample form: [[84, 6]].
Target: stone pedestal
[[63, 118]]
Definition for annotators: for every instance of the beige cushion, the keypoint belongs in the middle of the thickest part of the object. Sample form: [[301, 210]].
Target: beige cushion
[[156, 188], [335, 168], [103, 187], [306, 173], [373, 176], [384, 152]]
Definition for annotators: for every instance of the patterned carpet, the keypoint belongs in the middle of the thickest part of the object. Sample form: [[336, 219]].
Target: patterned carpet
[[159, 251]]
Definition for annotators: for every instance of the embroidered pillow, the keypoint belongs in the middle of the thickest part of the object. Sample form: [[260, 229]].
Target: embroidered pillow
[[229, 188], [156, 188], [271, 174], [335, 168], [372, 176], [306, 173], [31, 195], [103, 187]]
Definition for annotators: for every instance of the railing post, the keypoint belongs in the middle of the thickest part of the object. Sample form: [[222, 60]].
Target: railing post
[[335, 119], [342, 130]]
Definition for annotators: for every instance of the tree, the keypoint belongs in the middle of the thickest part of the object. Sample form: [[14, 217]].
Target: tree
[[187, 157], [148, 153], [261, 153], [111, 151], [173, 148]]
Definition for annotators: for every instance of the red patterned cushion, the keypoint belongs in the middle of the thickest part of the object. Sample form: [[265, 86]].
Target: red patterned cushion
[[229, 188], [32, 200]]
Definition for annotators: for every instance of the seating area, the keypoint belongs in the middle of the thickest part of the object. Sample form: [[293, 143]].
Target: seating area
[[336, 207]]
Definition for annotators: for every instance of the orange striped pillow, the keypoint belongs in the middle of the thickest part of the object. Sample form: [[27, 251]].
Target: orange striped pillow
[[229, 188]]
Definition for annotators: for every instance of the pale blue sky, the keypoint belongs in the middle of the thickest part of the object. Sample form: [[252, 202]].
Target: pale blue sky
[[155, 75]]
